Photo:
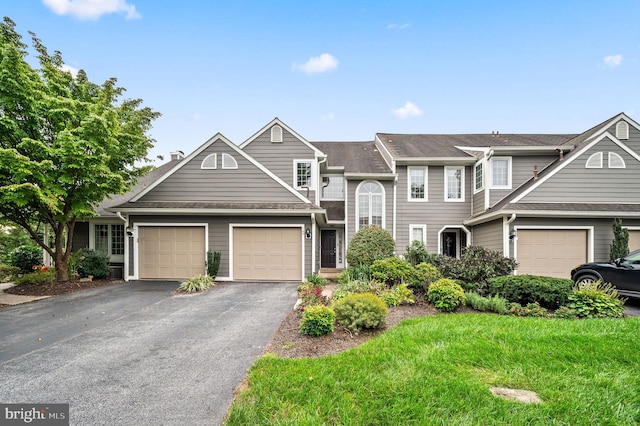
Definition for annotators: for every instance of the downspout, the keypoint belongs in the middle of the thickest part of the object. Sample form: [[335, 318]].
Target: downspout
[[506, 237], [487, 184], [395, 204], [324, 160], [125, 272], [313, 244]]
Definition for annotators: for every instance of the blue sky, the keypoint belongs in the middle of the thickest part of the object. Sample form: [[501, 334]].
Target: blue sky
[[344, 70]]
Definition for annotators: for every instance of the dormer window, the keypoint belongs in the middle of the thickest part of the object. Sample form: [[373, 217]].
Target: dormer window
[[210, 162], [595, 161], [622, 130], [228, 162], [276, 134]]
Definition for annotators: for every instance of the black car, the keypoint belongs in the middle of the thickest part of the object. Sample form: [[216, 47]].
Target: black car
[[623, 273]]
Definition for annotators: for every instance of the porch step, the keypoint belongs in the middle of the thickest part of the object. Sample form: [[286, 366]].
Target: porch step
[[330, 273]]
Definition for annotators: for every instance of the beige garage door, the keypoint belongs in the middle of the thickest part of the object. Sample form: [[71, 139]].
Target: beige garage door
[[634, 240], [551, 252], [171, 252], [267, 254]]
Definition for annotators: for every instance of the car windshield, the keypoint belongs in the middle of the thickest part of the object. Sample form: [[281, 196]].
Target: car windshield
[[632, 258]]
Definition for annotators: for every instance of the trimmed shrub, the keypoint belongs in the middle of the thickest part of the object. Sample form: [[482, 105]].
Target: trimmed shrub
[[446, 295], [566, 312], [352, 273], [549, 292], [397, 295], [25, 258], [476, 265], [416, 253], [8, 273], [317, 320], [95, 263], [423, 275], [197, 283], [496, 304], [531, 310], [596, 300], [37, 278], [213, 263], [391, 271], [359, 311], [310, 294], [370, 244]]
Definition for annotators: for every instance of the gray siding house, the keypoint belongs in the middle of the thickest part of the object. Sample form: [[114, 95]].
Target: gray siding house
[[279, 207]]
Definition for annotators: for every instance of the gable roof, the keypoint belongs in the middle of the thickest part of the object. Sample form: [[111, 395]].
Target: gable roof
[[354, 157], [277, 121]]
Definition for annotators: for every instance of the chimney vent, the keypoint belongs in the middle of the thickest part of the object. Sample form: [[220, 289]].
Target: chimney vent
[[535, 171], [177, 155]]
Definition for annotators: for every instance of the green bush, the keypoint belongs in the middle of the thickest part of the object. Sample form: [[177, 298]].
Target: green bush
[[476, 265], [397, 295], [496, 304], [359, 311], [370, 244], [317, 320], [596, 300], [310, 294], [25, 258], [38, 278], [530, 310], [446, 295], [423, 275], [523, 289], [72, 264], [360, 273], [357, 286], [95, 263], [391, 271], [416, 253], [197, 283], [213, 263], [317, 280], [566, 312], [8, 273]]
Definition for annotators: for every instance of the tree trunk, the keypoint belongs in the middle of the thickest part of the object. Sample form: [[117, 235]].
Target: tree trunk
[[59, 256]]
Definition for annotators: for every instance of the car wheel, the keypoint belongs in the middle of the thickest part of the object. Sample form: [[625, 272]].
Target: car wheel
[[588, 279]]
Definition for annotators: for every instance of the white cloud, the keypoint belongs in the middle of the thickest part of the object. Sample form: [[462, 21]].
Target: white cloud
[[91, 9], [398, 27], [328, 117], [613, 61], [318, 64], [408, 110], [68, 68]]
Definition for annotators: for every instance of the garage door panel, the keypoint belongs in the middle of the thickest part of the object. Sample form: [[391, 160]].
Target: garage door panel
[[171, 252], [551, 252], [267, 254], [634, 240]]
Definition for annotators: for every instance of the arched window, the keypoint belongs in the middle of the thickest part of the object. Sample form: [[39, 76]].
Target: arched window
[[616, 161], [622, 130], [276, 134], [370, 206], [210, 162], [595, 161], [228, 162]]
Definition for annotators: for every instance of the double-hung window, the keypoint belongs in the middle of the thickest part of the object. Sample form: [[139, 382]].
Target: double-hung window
[[501, 172], [454, 183], [303, 174], [417, 183], [109, 239], [478, 177]]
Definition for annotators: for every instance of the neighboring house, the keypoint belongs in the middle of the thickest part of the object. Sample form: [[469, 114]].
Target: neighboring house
[[279, 207]]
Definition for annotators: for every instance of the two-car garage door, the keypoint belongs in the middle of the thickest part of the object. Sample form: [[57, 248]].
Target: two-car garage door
[[551, 252]]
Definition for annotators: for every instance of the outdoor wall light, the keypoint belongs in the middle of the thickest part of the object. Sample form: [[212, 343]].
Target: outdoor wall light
[[307, 233]]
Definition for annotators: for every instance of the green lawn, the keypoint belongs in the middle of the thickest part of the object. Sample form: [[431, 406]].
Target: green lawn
[[437, 370]]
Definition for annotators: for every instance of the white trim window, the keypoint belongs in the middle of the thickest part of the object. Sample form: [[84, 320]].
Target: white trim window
[[276, 134], [501, 173], [370, 207], [228, 162], [210, 162], [303, 174], [594, 161], [417, 183], [622, 130], [454, 183], [109, 239], [478, 177], [616, 161], [332, 188], [418, 233]]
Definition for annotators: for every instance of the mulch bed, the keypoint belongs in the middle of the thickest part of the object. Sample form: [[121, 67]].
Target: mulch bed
[[56, 288]]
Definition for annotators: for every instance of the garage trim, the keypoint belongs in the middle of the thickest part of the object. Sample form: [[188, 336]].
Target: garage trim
[[590, 237], [635, 230], [136, 260], [232, 226]]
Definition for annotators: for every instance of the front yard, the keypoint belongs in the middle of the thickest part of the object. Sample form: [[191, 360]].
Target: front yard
[[439, 369]]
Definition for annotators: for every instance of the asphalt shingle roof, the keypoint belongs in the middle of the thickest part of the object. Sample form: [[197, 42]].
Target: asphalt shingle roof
[[355, 157]]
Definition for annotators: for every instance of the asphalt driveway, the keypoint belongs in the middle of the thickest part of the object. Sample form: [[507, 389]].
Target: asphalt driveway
[[134, 354]]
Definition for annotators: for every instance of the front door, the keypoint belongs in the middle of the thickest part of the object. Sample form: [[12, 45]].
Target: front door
[[328, 248], [450, 243]]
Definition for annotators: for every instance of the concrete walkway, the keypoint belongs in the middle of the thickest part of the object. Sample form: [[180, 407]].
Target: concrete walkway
[[15, 299], [135, 354]]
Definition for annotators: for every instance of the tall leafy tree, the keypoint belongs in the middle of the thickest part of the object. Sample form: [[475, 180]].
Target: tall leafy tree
[[65, 143]]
